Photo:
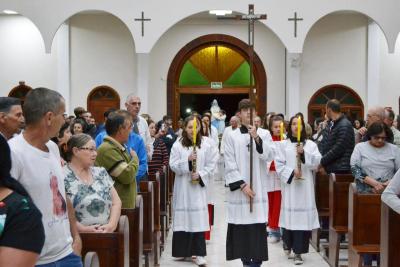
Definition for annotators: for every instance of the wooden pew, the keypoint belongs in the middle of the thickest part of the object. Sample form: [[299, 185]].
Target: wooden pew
[[135, 217], [155, 178], [338, 213], [364, 225], [171, 178], [322, 201], [164, 217], [390, 237], [147, 193], [91, 260], [111, 248]]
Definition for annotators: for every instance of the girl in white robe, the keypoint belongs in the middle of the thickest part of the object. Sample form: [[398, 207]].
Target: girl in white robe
[[190, 214], [299, 215]]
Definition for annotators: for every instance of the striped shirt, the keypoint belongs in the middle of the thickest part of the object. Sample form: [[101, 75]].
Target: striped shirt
[[159, 158]]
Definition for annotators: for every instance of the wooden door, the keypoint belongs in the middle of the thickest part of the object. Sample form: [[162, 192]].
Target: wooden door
[[101, 99]]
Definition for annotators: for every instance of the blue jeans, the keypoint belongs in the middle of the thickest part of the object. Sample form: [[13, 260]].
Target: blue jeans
[[71, 260]]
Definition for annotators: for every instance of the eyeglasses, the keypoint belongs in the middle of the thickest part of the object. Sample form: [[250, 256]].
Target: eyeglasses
[[90, 149]]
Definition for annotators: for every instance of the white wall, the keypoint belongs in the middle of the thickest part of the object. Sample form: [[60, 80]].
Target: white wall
[[335, 52], [102, 53], [23, 57], [267, 45], [390, 76]]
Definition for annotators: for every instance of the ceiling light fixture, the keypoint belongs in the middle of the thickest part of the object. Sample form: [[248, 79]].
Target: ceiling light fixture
[[9, 12], [220, 12]]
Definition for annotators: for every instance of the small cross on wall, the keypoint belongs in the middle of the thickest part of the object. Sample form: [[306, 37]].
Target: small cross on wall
[[142, 19], [295, 19]]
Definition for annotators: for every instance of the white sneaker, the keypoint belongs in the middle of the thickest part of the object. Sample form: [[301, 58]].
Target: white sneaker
[[298, 260], [273, 239], [200, 261]]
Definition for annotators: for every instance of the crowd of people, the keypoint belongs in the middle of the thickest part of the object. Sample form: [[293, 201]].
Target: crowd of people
[[69, 175]]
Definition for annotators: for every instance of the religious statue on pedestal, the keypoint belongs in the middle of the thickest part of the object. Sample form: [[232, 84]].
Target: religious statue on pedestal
[[218, 117]]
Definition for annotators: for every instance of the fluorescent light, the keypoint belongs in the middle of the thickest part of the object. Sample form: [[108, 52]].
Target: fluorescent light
[[9, 12], [220, 12]]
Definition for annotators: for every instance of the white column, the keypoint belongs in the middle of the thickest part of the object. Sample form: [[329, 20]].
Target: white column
[[293, 62], [142, 79], [63, 66], [373, 65]]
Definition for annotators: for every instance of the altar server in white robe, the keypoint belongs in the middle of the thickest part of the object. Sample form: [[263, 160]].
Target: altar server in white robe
[[298, 214], [247, 235], [190, 214]]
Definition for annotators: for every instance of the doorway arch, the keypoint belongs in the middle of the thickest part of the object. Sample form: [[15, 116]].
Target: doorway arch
[[174, 90], [351, 103], [20, 91], [100, 99]]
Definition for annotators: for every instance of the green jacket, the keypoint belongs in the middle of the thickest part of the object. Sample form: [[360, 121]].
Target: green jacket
[[115, 159]]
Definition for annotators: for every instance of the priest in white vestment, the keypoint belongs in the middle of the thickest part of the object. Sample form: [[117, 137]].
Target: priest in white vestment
[[189, 204], [299, 215], [247, 235]]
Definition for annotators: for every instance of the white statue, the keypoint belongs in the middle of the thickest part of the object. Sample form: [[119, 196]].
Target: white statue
[[218, 117]]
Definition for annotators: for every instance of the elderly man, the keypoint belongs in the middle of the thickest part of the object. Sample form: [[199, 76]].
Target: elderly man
[[133, 105], [388, 120], [375, 114], [36, 164], [11, 118]]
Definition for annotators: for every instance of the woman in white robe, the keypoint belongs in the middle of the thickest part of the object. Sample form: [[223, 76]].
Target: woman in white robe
[[299, 215], [190, 214]]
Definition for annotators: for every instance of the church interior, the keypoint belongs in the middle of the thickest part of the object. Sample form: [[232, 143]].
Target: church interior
[[178, 56]]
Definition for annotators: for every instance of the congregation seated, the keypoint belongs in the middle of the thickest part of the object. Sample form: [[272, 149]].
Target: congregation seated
[[96, 203], [374, 163], [392, 192], [120, 163], [21, 228], [160, 156]]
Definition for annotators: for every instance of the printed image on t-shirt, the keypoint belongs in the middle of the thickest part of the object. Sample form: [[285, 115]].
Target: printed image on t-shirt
[[2, 222], [59, 204]]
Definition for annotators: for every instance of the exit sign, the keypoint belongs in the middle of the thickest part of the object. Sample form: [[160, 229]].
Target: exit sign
[[216, 85]]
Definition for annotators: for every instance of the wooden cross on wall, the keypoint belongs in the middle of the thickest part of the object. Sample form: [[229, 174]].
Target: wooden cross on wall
[[142, 19], [295, 19]]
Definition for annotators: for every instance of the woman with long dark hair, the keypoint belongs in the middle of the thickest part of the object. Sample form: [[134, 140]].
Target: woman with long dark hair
[[193, 166], [21, 228]]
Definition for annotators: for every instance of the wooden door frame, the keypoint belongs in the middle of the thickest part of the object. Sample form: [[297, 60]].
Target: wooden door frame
[[99, 88], [173, 92], [312, 106]]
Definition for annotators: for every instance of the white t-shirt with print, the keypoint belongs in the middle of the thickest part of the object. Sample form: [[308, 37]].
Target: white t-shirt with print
[[42, 176]]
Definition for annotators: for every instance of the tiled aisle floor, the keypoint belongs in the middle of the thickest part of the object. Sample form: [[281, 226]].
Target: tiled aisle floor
[[216, 247]]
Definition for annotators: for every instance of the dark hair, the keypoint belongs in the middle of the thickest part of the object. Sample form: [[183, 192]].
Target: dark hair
[[245, 103], [166, 117], [38, 102], [378, 127], [362, 123], [186, 142], [159, 125], [7, 102], [398, 122], [78, 121], [272, 119], [334, 105], [149, 121], [389, 113], [108, 111], [116, 120], [5, 167], [208, 132], [303, 134], [78, 111], [78, 140]]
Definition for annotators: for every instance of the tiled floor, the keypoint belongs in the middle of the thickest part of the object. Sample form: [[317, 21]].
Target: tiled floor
[[216, 247]]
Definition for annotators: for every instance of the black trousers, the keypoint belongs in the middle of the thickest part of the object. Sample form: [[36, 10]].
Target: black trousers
[[187, 244], [296, 240]]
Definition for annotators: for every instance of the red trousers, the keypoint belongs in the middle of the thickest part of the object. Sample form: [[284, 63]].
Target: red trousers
[[210, 220], [274, 209]]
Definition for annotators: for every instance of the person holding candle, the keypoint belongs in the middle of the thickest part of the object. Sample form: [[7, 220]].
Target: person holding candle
[[193, 161], [273, 183], [298, 215]]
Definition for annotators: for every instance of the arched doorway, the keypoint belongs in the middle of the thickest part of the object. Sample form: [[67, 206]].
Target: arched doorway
[[20, 91], [101, 99], [213, 66], [350, 102]]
